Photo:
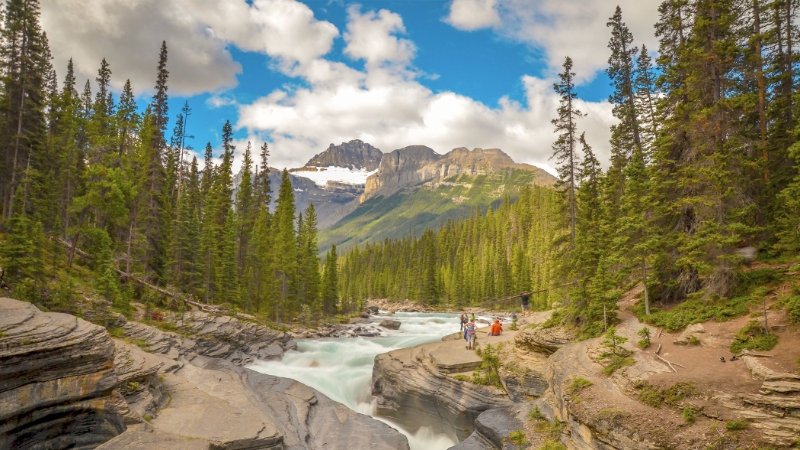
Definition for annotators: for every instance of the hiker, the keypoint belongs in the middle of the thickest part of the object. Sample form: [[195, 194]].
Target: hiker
[[463, 320], [472, 317], [469, 332], [497, 328], [526, 307]]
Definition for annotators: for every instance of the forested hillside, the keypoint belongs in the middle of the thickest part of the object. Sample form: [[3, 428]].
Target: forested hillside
[[98, 198], [704, 162]]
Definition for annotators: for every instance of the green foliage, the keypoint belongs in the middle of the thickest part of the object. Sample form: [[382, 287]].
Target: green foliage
[[695, 310], [672, 396], [616, 356], [536, 414], [735, 425], [753, 337], [577, 385], [462, 377], [688, 414], [513, 326], [650, 395], [488, 373], [792, 305], [552, 445], [645, 341], [116, 332], [518, 438], [693, 340]]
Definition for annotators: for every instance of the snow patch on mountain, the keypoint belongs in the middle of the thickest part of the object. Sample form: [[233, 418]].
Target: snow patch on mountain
[[321, 175]]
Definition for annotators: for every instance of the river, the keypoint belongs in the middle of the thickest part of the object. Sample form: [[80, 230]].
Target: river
[[341, 368]]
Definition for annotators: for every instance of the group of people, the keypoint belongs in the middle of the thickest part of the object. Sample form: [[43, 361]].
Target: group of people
[[469, 328]]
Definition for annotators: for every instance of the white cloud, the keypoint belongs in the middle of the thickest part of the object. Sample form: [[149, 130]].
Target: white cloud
[[560, 28], [471, 15], [370, 36], [128, 33], [390, 109]]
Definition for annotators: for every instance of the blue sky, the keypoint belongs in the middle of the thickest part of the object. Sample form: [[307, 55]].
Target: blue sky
[[304, 74]]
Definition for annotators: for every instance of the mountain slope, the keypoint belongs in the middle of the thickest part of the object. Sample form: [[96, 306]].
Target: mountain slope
[[412, 209]]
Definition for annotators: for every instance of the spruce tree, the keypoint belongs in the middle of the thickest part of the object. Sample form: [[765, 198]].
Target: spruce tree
[[285, 253]]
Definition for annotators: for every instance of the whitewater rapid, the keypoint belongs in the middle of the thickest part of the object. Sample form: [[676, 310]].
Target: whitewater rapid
[[341, 368]]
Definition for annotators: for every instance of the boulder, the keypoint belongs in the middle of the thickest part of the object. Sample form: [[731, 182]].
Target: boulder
[[373, 310], [690, 331], [57, 381], [543, 340], [391, 324], [492, 429]]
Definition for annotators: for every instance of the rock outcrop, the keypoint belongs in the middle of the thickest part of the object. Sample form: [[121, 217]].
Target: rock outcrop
[[355, 154], [417, 164], [492, 428], [543, 340], [412, 388], [391, 324], [200, 333], [57, 381], [215, 404]]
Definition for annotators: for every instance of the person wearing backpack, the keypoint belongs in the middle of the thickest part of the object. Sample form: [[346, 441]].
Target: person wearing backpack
[[469, 331]]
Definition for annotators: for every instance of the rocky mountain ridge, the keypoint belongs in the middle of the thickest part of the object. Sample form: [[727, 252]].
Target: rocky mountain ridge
[[355, 154]]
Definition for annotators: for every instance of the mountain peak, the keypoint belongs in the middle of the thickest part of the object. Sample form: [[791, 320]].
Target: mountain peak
[[355, 155]]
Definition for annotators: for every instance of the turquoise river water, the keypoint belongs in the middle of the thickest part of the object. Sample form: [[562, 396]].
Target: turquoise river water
[[341, 368]]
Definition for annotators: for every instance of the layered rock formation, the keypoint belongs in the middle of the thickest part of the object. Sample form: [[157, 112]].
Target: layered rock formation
[[418, 164], [355, 154], [215, 404], [64, 383], [57, 381]]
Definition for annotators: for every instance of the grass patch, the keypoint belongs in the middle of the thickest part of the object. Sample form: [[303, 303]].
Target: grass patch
[[688, 415], [753, 337], [116, 332], [518, 438], [693, 340], [462, 377], [655, 397], [735, 425], [617, 364], [552, 445], [578, 384]]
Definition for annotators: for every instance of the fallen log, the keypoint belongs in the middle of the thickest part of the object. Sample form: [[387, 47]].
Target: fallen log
[[668, 363]]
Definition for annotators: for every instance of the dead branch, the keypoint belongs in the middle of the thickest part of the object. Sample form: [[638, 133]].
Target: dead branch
[[668, 363], [659, 349], [659, 332]]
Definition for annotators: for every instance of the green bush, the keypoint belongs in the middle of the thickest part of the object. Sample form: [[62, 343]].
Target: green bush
[[649, 394], [792, 305], [578, 384], [462, 377], [678, 392], [645, 341], [693, 340], [552, 445], [753, 337], [518, 438], [536, 414], [735, 425], [688, 415]]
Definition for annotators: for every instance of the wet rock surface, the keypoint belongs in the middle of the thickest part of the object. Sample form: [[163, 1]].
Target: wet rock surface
[[57, 381], [391, 324]]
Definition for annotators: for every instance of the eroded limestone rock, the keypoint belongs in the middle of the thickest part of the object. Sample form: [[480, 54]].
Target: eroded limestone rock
[[543, 340], [57, 381]]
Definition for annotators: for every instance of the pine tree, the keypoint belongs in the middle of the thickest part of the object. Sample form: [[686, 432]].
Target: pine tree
[[330, 283], [285, 254], [564, 148]]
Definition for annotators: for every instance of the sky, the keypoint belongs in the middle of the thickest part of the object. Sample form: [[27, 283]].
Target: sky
[[302, 74]]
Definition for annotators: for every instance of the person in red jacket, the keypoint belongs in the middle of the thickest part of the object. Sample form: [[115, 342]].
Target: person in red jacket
[[496, 328]]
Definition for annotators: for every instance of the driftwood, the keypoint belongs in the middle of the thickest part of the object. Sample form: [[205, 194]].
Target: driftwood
[[175, 295], [668, 363], [659, 349], [659, 332]]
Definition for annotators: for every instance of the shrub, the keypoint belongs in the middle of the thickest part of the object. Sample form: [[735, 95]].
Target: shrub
[[518, 438], [461, 377], [615, 355], [536, 414], [792, 305], [693, 340], [688, 415], [488, 374], [753, 337], [116, 332], [552, 445], [735, 425], [645, 341], [650, 395], [513, 326], [578, 384], [678, 392]]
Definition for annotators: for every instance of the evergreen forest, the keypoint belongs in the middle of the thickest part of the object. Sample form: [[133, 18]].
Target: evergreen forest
[[99, 198], [705, 168]]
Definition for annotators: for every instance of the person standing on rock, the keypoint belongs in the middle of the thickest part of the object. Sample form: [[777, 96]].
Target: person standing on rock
[[463, 320], [526, 306], [469, 332]]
